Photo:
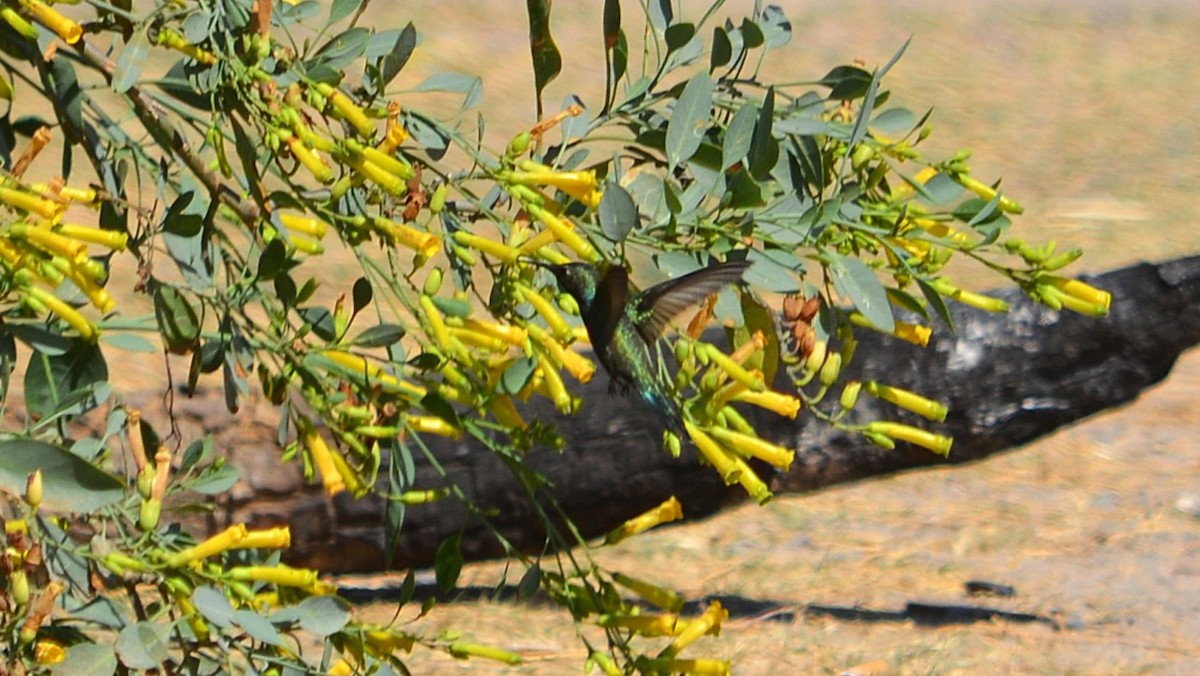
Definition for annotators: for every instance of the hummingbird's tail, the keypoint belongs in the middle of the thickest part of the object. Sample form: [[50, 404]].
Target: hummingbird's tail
[[667, 409]]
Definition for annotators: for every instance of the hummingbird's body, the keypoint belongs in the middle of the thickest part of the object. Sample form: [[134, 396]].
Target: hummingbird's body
[[622, 328]]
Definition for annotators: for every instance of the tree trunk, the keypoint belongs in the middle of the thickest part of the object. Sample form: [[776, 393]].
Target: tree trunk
[[1008, 379]]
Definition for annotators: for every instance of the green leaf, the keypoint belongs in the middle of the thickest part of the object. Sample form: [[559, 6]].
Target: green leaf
[[89, 659], [71, 484], [381, 335], [721, 51], [323, 615], [342, 49], [216, 480], [517, 375], [65, 384], [941, 189], [452, 307], [689, 119], [764, 149], [257, 626], [611, 24], [178, 322], [129, 64], [530, 582], [143, 645], [448, 561], [129, 342], [894, 121], [759, 318], [937, 303], [678, 36], [272, 261], [846, 83], [547, 62], [320, 320], [772, 271], [213, 605], [184, 237], [738, 135], [68, 96], [361, 294], [617, 212], [854, 280], [342, 9], [775, 26], [395, 60], [752, 35]]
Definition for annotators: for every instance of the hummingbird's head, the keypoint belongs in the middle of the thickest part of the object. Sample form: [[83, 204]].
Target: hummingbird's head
[[577, 279]]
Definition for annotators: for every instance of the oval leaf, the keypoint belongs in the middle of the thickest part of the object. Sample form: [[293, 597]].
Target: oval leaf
[[858, 282], [689, 119], [71, 484], [618, 213], [143, 645]]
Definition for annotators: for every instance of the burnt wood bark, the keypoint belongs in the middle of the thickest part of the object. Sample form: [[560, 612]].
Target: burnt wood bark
[[1008, 379]]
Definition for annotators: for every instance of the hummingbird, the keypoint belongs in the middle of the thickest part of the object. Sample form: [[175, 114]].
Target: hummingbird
[[623, 323]]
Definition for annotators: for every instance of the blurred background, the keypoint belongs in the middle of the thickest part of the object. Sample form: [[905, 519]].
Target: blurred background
[[1090, 113]]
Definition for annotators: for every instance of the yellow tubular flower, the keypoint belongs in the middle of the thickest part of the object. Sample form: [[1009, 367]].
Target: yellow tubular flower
[[968, 298], [172, 40], [754, 486], [68, 314], [551, 316], [50, 241], [422, 242], [670, 510], [464, 650], [478, 339], [322, 459], [487, 246], [360, 367], [1080, 290], [935, 442], [99, 296], [110, 239], [437, 324], [988, 193], [752, 446], [721, 459], [751, 380], [667, 624], [579, 366], [423, 497], [217, 544], [347, 110], [785, 405], [48, 652], [390, 182], [428, 424], [663, 598], [909, 401], [707, 623], [552, 386], [307, 157], [565, 233], [307, 225], [18, 23], [505, 411], [49, 17], [913, 333], [279, 574], [381, 159], [513, 335], [387, 642], [279, 537]]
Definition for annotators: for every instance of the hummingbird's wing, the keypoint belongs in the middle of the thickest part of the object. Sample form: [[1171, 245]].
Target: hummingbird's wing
[[608, 307], [657, 306]]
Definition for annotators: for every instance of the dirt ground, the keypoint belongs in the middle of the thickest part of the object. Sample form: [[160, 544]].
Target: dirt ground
[[1088, 112]]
